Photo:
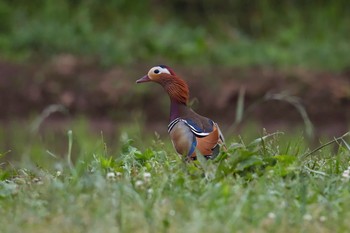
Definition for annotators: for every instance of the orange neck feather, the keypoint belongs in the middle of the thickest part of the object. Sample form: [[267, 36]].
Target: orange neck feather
[[177, 89]]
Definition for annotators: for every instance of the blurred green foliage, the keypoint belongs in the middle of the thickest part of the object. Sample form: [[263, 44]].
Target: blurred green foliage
[[139, 184], [266, 32]]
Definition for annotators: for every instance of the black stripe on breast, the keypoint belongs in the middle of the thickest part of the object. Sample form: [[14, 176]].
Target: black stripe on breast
[[172, 124]]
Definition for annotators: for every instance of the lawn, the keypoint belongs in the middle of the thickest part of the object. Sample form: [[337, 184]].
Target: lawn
[[76, 180]]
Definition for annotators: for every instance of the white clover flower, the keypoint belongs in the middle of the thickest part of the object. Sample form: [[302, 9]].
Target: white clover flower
[[147, 176], [271, 215], [58, 173], [149, 191], [307, 217], [172, 212], [110, 176], [138, 183], [323, 218], [346, 174]]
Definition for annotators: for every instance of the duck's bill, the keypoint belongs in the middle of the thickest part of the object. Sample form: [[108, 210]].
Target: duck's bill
[[143, 79]]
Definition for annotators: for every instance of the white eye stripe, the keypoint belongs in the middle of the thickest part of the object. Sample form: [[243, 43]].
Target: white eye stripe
[[161, 70]]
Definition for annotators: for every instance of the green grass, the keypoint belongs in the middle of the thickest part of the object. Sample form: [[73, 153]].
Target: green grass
[[234, 33], [273, 183]]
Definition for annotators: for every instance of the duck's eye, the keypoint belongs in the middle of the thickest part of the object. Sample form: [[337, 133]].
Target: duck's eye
[[156, 71]]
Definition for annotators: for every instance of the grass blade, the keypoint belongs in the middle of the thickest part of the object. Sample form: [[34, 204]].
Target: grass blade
[[240, 106], [341, 138]]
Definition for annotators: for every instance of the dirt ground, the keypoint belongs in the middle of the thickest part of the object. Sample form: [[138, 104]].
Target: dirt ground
[[110, 94]]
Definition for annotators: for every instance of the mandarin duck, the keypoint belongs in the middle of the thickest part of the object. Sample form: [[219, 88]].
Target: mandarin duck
[[188, 130]]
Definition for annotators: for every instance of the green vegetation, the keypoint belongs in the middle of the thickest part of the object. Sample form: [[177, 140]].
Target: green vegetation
[[233, 33], [138, 184], [63, 177]]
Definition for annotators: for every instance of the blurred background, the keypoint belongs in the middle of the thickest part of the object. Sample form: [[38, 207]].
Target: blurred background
[[72, 64]]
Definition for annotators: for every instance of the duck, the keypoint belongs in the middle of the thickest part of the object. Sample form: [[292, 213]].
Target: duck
[[189, 131]]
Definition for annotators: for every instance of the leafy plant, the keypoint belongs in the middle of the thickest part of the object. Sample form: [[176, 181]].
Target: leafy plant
[[271, 183]]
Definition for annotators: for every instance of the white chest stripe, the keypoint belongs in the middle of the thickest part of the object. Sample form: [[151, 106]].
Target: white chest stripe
[[196, 132], [172, 124]]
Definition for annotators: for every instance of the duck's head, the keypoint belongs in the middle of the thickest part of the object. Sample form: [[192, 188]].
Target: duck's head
[[165, 76]]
